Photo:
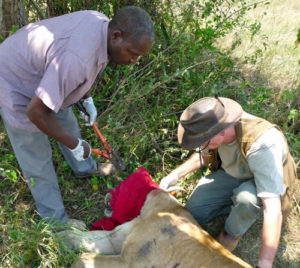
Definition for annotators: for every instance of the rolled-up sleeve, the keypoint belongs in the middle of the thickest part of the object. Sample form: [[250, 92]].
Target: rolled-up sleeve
[[265, 160]]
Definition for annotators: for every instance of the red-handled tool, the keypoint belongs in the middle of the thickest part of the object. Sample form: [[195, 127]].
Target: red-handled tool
[[109, 154]]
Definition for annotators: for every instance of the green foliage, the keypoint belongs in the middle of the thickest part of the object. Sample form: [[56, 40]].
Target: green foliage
[[42, 9], [140, 105], [94, 181], [293, 115], [31, 243], [14, 28], [8, 169], [298, 36]]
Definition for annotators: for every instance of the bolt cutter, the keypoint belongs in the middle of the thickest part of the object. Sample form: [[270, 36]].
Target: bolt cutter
[[109, 154]]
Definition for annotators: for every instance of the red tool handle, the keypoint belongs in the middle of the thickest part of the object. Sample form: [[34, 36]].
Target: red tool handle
[[102, 138], [118, 161], [100, 152]]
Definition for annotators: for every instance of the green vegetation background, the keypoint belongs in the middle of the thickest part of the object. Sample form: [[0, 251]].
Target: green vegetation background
[[238, 49]]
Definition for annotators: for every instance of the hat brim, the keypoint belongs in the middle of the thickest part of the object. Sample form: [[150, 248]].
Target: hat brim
[[233, 114]]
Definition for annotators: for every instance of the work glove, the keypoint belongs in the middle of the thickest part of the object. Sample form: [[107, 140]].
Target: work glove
[[90, 108], [82, 151], [169, 180]]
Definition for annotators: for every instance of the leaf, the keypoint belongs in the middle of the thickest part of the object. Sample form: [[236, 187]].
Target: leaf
[[32, 181], [293, 114], [11, 174], [95, 187], [94, 181], [109, 185], [165, 34]]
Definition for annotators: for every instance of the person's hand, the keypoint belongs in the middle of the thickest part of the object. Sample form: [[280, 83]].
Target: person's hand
[[91, 110], [82, 151], [169, 180]]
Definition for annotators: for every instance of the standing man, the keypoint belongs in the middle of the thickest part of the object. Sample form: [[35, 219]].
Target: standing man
[[46, 67], [253, 171]]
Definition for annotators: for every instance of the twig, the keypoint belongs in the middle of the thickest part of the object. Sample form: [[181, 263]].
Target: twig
[[256, 3], [173, 76], [155, 144], [140, 70], [41, 15], [158, 84], [297, 204]]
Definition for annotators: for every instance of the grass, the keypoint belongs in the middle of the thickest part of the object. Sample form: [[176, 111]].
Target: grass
[[278, 60], [270, 64], [255, 63]]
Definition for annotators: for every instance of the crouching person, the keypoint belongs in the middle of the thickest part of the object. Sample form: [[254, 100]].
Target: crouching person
[[253, 171]]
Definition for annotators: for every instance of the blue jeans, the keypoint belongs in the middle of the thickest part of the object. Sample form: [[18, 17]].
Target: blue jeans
[[219, 194]]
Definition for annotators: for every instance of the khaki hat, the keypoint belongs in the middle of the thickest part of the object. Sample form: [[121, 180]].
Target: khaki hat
[[206, 118]]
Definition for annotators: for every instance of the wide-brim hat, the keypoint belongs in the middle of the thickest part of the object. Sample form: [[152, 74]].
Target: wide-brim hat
[[206, 118]]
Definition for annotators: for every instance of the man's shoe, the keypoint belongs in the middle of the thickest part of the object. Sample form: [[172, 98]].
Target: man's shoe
[[103, 169], [228, 241]]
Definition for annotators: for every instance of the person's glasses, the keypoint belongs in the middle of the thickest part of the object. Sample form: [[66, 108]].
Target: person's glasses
[[204, 146]]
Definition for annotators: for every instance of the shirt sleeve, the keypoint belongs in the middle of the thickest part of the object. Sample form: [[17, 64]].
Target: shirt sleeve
[[265, 160], [63, 75]]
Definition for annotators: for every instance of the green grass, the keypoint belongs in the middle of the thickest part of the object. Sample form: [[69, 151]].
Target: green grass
[[139, 108]]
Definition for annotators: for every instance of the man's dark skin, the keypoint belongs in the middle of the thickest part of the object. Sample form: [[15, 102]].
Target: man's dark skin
[[121, 50]]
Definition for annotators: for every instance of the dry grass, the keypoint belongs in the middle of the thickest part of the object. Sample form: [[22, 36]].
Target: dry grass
[[279, 62], [274, 62], [288, 254]]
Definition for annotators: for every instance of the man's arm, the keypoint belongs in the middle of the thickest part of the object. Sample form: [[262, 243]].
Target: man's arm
[[191, 165], [271, 231], [45, 119]]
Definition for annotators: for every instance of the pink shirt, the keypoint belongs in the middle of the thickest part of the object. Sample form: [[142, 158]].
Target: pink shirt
[[57, 59]]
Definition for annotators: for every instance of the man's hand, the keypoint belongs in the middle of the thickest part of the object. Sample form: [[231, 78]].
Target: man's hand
[[82, 151], [192, 164], [169, 180], [89, 106]]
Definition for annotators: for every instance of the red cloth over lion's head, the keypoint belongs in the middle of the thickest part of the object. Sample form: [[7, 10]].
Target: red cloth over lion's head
[[127, 199]]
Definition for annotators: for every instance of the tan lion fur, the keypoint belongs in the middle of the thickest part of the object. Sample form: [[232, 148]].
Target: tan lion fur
[[164, 235]]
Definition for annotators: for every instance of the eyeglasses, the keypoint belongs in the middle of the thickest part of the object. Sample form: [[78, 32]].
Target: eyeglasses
[[204, 146]]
